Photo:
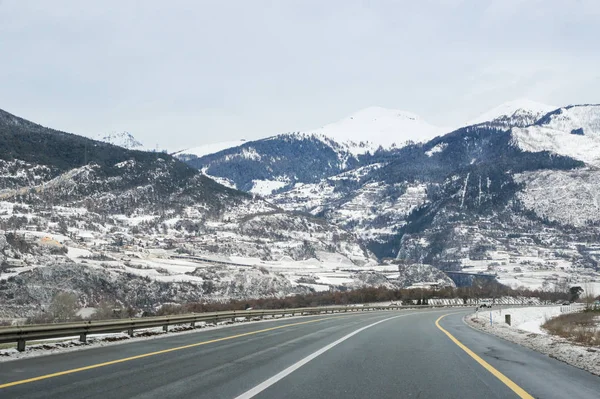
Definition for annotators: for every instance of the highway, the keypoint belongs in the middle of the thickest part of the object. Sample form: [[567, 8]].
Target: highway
[[387, 354]]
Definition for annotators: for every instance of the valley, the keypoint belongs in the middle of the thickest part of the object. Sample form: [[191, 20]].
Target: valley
[[299, 212]]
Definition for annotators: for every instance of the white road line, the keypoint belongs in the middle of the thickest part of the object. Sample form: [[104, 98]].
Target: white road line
[[265, 384]]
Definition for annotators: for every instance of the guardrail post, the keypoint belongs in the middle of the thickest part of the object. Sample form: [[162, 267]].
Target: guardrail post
[[83, 337], [193, 324], [130, 332], [166, 328], [21, 345]]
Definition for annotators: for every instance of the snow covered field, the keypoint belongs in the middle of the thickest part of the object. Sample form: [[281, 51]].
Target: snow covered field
[[528, 319]]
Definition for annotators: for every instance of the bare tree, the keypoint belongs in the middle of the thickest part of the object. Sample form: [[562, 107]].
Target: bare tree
[[64, 306], [589, 295]]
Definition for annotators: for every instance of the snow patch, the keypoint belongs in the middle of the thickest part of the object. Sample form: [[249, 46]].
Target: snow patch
[[537, 139], [437, 149], [266, 187]]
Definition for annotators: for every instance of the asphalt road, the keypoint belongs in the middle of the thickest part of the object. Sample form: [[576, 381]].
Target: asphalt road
[[392, 354]]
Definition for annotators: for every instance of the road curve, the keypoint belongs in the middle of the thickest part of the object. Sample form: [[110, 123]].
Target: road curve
[[392, 354]]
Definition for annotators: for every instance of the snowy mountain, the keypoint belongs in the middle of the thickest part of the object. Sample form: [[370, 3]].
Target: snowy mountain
[[573, 131], [519, 202], [451, 201], [381, 127], [362, 132], [430, 202], [122, 139], [96, 219], [469, 201], [271, 164], [517, 113], [263, 166]]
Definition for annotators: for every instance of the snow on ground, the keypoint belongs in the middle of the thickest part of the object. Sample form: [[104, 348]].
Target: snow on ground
[[59, 238], [533, 266], [585, 148], [568, 197], [266, 187], [321, 273], [567, 119], [527, 319], [437, 149], [358, 173], [559, 348], [134, 220], [86, 313], [305, 197], [570, 131], [76, 253], [221, 180]]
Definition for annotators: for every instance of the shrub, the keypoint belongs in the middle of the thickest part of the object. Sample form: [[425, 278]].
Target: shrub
[[579, 327]]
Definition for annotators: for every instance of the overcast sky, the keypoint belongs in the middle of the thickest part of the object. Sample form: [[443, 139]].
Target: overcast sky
[[182, 73]]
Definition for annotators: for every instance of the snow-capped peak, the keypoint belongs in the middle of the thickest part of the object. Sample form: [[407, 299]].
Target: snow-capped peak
[[527, 111], [381, 126], [122, 139]]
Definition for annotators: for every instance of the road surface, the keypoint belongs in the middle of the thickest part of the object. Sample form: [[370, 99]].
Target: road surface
[[388, 354]]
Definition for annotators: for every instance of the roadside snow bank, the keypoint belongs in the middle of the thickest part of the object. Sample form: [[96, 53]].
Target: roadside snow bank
[[528, 319], [586, 358]]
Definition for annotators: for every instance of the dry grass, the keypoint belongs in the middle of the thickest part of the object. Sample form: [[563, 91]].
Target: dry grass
[[583, 328]]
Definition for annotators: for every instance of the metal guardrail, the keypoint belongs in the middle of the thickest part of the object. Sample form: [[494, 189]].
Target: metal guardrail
[[22, 334]]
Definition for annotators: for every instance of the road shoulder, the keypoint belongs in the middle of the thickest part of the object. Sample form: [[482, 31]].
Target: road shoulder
[[586, 358]]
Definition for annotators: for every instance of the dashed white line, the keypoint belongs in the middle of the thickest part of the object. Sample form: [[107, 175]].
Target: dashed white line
[[277, 377]]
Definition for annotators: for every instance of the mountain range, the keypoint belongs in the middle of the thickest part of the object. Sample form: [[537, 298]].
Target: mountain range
[[523, 167], [95, 219], [516, 196]]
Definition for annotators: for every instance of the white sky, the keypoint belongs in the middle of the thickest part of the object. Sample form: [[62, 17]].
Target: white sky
[[183, 73]]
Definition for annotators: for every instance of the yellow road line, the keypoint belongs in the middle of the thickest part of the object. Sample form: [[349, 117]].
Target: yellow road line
[[94, 366], [507, 381]]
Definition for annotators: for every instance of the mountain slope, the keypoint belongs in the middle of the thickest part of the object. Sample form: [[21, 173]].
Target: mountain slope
[[77, 167], [99, 215], [517, 113], [381, 127], [272, 164], [508, 195], [277, 161], [572, 131], [470, 169]]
